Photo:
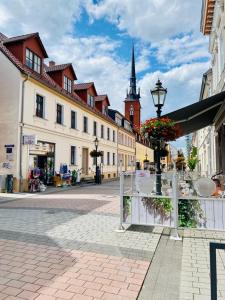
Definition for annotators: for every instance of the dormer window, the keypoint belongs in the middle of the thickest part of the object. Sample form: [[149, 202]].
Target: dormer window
[[33, 61], [118, 121], [67, 84], [105, 110], [90, 101]]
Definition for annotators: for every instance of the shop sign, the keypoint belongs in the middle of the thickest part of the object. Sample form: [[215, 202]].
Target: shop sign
[[30, 139], [9, 156], [7, 165], [9, 152]]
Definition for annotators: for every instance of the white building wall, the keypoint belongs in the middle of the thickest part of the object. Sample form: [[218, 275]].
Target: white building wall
[[62, 135], [10, 97]]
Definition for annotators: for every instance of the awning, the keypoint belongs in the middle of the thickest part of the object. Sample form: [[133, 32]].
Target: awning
[[197, 115]]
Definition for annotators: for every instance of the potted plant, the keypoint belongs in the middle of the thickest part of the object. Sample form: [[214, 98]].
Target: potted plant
[[193, 159]]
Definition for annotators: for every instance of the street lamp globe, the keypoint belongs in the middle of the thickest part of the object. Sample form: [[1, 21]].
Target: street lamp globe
[[159, 94], [96, 141]]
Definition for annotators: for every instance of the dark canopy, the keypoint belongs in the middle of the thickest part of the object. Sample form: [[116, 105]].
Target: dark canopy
[[197, 115]]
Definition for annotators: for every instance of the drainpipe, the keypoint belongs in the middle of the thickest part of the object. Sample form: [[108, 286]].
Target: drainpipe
[[21, 134], [117, 152]]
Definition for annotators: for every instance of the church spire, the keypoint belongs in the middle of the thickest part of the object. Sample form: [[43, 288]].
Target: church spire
[[133, 95]]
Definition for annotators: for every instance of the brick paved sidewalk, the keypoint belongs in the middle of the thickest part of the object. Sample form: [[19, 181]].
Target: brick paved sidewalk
[[180, 269], [64, 246], [31, 271], [195, 280]]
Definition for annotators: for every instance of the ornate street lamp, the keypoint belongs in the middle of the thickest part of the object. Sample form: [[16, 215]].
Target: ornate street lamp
[[159, 97], [96, 142]]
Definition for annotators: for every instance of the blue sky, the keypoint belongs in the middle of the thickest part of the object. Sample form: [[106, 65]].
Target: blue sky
[[96, 36]]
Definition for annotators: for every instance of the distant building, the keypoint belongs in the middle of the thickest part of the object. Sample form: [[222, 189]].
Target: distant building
[[41, 104], [47, 120], [211, 140]]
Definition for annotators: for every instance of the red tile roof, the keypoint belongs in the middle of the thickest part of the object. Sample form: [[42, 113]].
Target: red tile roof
[[83, 86], [2, 37], [45, 79], [56, 67], [102, 98], [61, 67], [23, 37]]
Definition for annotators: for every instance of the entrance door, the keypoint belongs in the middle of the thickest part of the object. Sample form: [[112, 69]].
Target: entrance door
[[42, 165], [85, 161]]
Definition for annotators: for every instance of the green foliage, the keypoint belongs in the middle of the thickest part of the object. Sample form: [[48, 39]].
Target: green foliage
[[190, 213], [74, 176], [193, 158], [162, 206]]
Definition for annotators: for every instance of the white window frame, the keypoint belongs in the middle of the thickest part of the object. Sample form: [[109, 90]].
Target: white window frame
[[87, 124], [57, 103], [75, 155], [75, 118], [67, 84], [44, 104]]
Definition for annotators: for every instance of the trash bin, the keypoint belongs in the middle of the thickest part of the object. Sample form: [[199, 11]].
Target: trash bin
[[9, 183]]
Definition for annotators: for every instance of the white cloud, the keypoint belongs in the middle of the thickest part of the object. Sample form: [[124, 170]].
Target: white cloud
[[150, 20], [94, 60], [52, 18], [5, 16], [186, 49], [183, 85], [94, 57]]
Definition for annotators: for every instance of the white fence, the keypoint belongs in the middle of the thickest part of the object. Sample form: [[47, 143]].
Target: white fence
[[140, 204]]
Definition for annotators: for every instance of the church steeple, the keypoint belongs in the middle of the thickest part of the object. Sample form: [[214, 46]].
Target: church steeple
[[133, 95], [132, 101]]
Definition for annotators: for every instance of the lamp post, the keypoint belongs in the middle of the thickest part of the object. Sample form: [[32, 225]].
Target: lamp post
[[159, 97], [146, 156], [96, 141]]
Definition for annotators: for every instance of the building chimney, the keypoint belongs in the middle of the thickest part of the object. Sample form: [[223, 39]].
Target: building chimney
[[51, 63]]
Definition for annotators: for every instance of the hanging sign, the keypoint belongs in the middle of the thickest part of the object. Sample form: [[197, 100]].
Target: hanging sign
[[30, 139]]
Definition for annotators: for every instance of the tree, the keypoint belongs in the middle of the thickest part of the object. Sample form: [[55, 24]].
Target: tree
[[180, 162], [193, 158]]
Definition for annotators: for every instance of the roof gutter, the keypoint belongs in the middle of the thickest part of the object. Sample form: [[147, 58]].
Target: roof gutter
[[21, 133]]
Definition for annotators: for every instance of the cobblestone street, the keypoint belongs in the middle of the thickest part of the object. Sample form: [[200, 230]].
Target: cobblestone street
[[64, 246]]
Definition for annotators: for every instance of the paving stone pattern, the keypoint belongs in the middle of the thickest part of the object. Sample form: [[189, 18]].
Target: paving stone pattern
[[64, 246], [30, 271], [163, 278], [195, 278]]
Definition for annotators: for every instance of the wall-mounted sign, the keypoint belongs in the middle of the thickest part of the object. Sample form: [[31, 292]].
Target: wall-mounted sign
[[30, 139], [10, 156], [9, 151], [7, 165]]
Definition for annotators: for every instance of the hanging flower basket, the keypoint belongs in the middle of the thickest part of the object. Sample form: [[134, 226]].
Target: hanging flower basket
[[164, 128], [95, 153]]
